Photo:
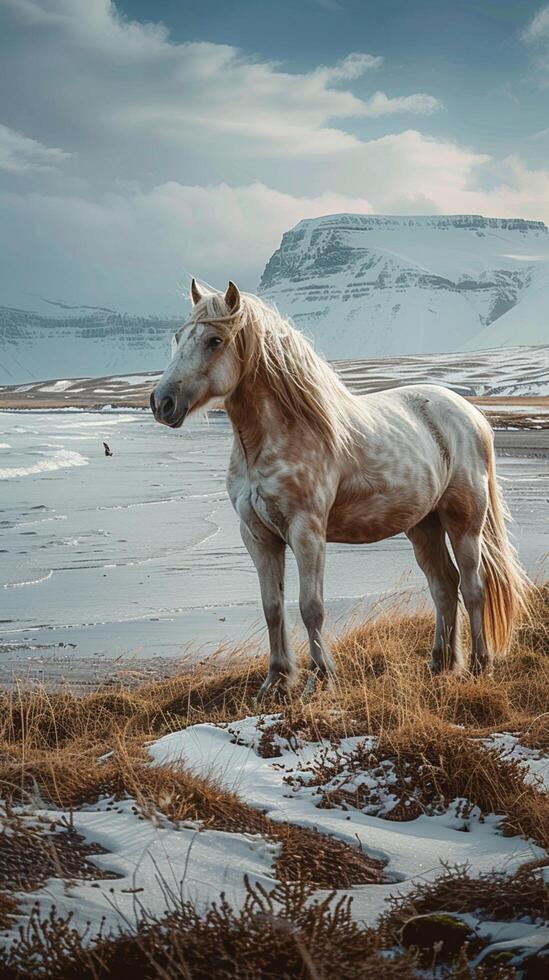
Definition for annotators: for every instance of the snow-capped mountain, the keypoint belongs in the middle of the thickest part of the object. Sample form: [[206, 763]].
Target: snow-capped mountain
[[364, 285], [85, 342], [359, 285]]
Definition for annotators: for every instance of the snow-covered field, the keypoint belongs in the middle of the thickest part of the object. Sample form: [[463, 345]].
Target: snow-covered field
[[160, 862], [513, 372]]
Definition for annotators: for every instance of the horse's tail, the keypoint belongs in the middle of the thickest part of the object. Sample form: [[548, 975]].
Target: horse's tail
[[507, 585]]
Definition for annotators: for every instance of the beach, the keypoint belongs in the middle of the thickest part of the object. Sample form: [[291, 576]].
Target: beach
[[117, 568]]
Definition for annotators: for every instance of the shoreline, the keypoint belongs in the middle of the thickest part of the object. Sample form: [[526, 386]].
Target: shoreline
[[59, 670], [520, 410]]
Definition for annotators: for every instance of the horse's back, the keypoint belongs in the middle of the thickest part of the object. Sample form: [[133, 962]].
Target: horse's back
[[428, 432], [446, 415]]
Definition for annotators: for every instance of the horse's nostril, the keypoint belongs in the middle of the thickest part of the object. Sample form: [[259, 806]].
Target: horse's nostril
[[168, 406], [153, 406]]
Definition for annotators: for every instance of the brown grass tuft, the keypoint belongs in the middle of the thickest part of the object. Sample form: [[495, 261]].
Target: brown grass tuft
[[277, 936], [425, 769], [492, 896]]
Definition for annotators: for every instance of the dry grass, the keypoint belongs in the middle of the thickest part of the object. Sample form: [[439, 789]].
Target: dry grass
[[286, 934], [493, 897], [276, 936], [50, 743], [383, 683], [32, 853], [66, 750]]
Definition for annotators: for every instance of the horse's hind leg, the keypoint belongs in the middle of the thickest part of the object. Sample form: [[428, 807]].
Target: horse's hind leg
[[432, 555], [468, 552], [464, 528]]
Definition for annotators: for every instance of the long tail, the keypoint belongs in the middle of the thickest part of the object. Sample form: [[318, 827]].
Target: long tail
[[507, 585]]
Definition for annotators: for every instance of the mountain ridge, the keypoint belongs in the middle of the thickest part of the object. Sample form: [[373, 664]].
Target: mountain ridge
[[359, 285], [377, 285]]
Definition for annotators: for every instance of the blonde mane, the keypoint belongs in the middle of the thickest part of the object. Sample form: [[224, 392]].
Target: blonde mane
[[271, 350]]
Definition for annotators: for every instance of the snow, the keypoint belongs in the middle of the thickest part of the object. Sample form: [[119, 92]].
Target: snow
[[134, 379], [534, 762], [57, 386], [159, 862], [514, 371], [81, 343], [523, 936], [364, 285], [413, 850], [525, 323], [360, 285], [508, 372]]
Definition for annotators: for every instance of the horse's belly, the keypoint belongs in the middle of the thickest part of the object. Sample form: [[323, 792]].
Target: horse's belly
[[372, 520]]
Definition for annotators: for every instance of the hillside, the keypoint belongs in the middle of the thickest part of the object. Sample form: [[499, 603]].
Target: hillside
[[80, 341], [365, 285], [521, 372]]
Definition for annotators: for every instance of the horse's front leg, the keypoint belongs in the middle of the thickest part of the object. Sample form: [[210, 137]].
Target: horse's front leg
[[309, 548], [268, 554]]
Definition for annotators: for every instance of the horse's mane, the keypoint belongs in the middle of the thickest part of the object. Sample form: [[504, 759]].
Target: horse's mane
[[273, 351]]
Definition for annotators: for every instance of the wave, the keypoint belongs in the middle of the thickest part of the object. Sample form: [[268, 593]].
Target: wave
[[32, 581], [60, 460]]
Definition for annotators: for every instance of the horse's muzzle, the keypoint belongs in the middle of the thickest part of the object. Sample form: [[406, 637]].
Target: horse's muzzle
[[168, 410]]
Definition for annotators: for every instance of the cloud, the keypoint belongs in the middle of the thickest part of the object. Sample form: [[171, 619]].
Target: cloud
[[536, 35], [419, 104], [152, 240], [353, 66], [538, 28], [196, 156], [20, 154], [134, 249], [130, 79]]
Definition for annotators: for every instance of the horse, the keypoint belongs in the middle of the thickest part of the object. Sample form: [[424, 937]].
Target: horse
[[313, 463]]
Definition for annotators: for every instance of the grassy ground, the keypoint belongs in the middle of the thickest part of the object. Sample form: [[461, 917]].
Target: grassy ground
[[68, 750]]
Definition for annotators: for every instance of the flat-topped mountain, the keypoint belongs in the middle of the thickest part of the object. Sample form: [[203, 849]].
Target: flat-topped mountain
[[360, 285], [364, 285], [82, 341]]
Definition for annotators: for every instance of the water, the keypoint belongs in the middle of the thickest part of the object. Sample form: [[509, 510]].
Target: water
[[139, 554]]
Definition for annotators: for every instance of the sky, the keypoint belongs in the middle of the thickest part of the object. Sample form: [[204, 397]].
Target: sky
[[142, 142]]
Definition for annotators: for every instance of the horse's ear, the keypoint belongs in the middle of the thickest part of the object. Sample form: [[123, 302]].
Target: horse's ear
[[232, 297], [196, 293]]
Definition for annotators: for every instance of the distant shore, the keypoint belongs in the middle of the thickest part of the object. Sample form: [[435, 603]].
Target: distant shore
[[512, 412]]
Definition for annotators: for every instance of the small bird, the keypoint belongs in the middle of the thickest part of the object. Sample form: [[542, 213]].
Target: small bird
[[108, 450]]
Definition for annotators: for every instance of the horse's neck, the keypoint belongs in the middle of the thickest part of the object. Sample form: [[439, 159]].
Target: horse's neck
[[252, 411]]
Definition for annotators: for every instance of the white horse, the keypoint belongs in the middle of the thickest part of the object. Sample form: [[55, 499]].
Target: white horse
[[313, 463]]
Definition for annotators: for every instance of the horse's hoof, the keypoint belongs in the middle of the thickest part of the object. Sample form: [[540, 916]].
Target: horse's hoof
[[444, 663], [310, 687], [273, 687], [482, 668], [316, 680]]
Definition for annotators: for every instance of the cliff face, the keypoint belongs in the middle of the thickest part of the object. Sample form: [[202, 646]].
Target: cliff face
[[86, 343], [371, 285]]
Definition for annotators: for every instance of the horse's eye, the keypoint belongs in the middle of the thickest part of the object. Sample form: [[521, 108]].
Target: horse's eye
[[214, 342]]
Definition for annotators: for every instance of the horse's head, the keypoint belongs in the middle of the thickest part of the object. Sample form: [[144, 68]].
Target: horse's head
[[204, 364]]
